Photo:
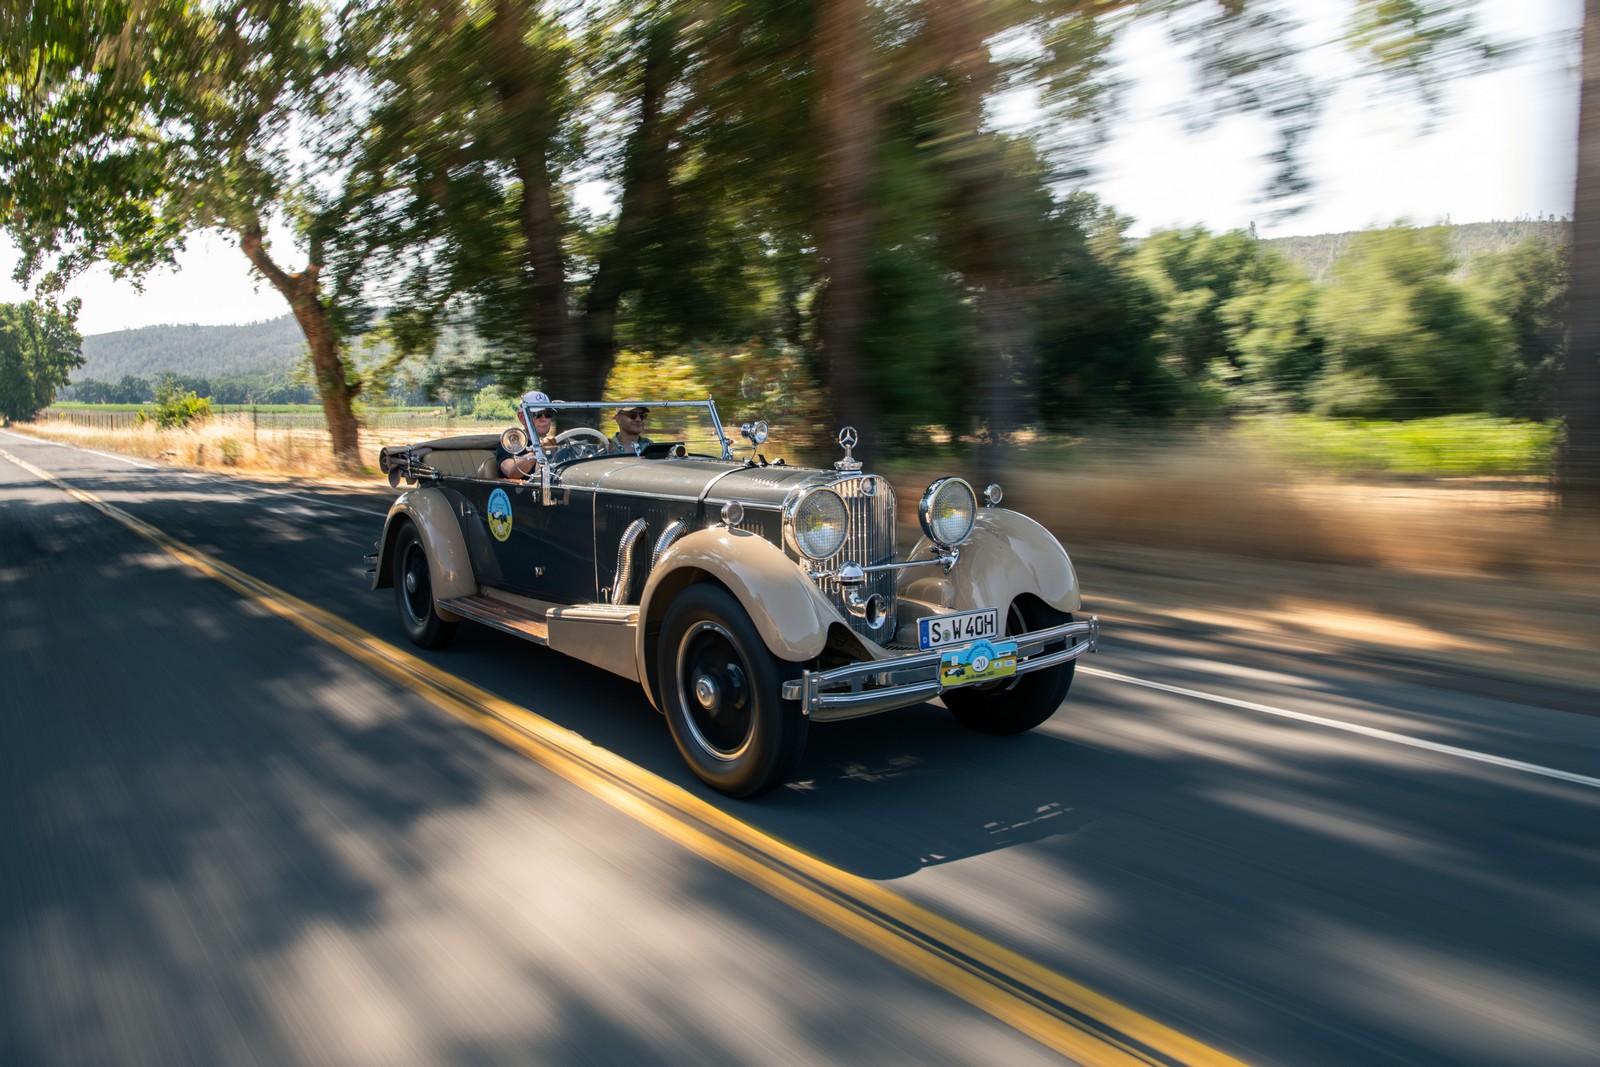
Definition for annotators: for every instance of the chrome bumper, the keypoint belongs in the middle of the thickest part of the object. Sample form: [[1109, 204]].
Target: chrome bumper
[[885, 684]]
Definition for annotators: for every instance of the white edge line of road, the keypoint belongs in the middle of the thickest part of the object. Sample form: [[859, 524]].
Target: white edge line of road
[[324, 503], [1353, 728]]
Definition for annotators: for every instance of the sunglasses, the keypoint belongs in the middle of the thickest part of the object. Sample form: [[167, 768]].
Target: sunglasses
[[636, 414], [545, 414]]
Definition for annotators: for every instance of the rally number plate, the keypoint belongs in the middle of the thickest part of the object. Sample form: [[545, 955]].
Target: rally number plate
[[957, 628], [981, 661]]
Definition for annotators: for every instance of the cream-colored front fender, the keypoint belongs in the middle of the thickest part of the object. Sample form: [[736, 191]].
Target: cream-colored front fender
[[788, 611], [1009, 554], [449, 565]]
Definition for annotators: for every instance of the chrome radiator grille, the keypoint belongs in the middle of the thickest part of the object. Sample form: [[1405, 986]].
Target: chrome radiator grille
[[871, 541]]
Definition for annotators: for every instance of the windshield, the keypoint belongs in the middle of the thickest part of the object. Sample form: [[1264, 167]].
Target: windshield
[[692, 423]]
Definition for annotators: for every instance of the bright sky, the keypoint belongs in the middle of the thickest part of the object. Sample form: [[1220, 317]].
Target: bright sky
[[1507, 148]]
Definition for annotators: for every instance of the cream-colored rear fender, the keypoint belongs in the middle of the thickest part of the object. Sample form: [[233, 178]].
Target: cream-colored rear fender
[[449, 565], [1009, 554], [791, 615]]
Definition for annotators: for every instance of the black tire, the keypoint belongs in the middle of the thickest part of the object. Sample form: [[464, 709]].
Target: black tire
[[722, 690], [1017, 705], [413, 592]]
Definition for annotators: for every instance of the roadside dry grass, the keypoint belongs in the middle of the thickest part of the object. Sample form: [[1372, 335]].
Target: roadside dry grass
[[1473, 576], [228, 443]]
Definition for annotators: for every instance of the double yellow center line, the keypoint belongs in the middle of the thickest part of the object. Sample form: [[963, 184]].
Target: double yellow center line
[[1059, 1013]]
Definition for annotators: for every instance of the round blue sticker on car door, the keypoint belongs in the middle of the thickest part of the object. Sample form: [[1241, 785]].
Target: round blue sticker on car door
[[500, 514]]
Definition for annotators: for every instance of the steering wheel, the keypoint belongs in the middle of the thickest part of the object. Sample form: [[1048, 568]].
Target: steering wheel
[[583, 431], [580, 442]]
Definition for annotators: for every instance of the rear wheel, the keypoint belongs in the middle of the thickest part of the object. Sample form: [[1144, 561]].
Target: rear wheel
[[722, 693], [1016, 705], [413, 592]]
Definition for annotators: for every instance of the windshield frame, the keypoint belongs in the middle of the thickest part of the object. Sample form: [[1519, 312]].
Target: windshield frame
[[602, 406]]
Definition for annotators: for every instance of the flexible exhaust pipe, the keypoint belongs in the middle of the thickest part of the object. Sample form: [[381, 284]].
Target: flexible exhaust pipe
[[630, 536]]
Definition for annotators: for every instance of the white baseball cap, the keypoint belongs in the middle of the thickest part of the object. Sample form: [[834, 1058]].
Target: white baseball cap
[[534, 399]]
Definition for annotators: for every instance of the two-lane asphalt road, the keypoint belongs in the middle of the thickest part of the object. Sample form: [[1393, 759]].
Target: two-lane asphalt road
[[226, 838]]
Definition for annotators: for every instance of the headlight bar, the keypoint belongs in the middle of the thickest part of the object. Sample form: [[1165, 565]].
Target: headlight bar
[[852, 573]]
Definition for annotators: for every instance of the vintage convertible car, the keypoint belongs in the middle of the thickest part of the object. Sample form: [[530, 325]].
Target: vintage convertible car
[[748, 598]]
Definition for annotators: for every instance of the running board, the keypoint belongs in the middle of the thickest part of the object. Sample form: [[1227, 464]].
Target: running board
[[519, 622], [531, 624]]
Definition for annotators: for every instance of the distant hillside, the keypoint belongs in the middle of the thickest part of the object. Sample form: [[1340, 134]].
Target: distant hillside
[[272, 348], [1316, 255]]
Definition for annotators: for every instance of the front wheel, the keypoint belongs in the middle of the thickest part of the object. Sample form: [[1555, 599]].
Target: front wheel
[[722, 690], [1016, 705], [413, 592]]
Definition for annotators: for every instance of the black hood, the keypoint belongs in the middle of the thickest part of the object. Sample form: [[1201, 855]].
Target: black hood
[[695, 478]]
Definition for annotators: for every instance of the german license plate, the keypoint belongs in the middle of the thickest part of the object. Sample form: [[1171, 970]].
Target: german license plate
[[981, 661], [957, 628]]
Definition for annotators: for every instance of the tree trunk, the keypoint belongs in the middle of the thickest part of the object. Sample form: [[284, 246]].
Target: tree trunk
[[1578, 467], [518, 75], [300, 289], [643, 205], [541, 235], [1006, 389], [848, 122]]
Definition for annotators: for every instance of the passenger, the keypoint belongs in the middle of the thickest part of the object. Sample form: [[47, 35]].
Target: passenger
[[627, 440], [539, 422]]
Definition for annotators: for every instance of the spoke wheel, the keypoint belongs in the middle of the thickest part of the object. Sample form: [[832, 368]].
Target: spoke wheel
[[413, 592], [714, 687], [722, 692]]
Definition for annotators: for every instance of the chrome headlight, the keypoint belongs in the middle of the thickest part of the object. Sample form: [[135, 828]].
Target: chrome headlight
[[948, 510], [819, 522]]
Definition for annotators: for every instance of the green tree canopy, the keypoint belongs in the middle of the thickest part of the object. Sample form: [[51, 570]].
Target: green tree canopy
[[39, 349], [1404, 338], [125, 126], [1527, 286]]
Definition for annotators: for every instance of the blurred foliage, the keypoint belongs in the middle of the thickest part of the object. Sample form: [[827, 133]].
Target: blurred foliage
[[1527, 288], [435, 159], [1419, 45], [1099, 358], [1470, 242], [493, 402], [747, 384], [1403, 339], [1183, 324], [1457, 445]]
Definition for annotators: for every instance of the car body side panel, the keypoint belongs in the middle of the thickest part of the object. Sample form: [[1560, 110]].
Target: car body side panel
[[549, 552], [449, 562], [1009, 554]]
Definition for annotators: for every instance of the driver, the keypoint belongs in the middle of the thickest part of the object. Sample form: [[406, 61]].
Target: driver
[[628, 439], [539, 421]]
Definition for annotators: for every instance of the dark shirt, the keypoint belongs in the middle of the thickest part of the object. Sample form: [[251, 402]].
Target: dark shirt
[[501, 455], [621, 449]]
